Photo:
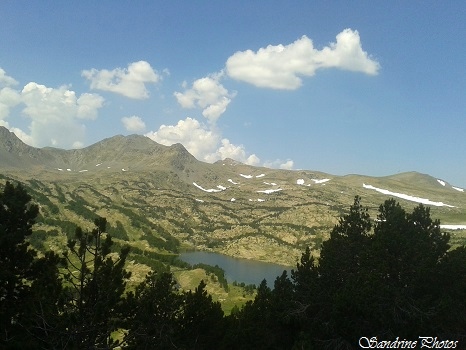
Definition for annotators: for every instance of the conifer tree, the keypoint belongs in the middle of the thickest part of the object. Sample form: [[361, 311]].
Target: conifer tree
[[94, 289], [17, 216]]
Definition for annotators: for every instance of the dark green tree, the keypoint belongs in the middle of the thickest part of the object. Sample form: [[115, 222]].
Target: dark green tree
[[17, 216], [29, 286], [153, 311], [94, 289], [201, 321]]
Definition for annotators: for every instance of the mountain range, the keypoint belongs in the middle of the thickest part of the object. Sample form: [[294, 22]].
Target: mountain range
[[161, 199]]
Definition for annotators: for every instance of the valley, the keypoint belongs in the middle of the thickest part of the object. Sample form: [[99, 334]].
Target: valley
[[162, 201]]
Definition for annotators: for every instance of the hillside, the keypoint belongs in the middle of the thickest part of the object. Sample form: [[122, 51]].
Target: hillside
[[161, 199]]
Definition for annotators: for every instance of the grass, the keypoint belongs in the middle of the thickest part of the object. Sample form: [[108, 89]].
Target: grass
[[190, 279]]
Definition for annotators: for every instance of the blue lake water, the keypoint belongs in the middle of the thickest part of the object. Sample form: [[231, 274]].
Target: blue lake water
[[236, 269]]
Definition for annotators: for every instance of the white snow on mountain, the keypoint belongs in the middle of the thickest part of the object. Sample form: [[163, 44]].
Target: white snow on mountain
[[270, 191], [316, 181], [441, 182], [234, 183], [246, 176], [320, 181], [453, 227], [408, 197], [210, 190], [261, 175], [457, 188]]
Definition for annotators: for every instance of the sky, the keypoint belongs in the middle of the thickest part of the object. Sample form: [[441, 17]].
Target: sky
[[373, 88]]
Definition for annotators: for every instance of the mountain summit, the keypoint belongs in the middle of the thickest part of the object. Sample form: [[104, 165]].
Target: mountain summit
[[117, 152]]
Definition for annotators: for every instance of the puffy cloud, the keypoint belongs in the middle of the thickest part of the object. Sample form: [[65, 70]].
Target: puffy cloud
[[206, 93], [278, 163], [198, 139], [130, 82], [54, 114], [9, 98], [203, 142], [133, 123], [6, 80], [88, 105], [229, 150], [288, 165], [280, 66]]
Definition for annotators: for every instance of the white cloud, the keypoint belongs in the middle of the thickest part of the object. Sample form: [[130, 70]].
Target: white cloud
[[9, 98], [6, 80], [280, 66], [55, 114], [229, 150], [202, 141], [208, 94], [280, 164], [130, 82], [198, 139], [88, 105], [133, 123], [288, 165]]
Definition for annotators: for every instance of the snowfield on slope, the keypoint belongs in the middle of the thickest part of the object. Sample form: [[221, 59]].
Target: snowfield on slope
[[210, 190], [408, 197]]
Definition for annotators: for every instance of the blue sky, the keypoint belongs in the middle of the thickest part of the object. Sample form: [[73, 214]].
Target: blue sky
[[373, 88]]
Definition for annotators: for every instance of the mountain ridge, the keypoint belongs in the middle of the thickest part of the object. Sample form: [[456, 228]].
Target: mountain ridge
[[227, 207]]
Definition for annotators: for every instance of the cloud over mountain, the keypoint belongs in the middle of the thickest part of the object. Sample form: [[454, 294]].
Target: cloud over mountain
[[130, 82], [55, 114], [282, 66], [133, 123]]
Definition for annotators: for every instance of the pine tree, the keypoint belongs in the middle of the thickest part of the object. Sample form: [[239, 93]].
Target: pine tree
[[17, 216], [94, 289]]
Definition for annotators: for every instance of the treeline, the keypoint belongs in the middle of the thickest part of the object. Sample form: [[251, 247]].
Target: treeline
[[392, 278]]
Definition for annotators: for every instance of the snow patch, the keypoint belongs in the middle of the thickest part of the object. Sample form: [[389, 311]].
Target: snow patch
[[232, 200], [408, 197], [320, 181], [453, 227], [199, 200], [300, 182], [98, 164], [457, 188], [246, 176], [270, 191], [270, 183], [124, 169], [261, 200], [82, 171], [59, 169], [210, 190], [261, 175], [441, 182], [234, 183], [68, 169], [223, 188]]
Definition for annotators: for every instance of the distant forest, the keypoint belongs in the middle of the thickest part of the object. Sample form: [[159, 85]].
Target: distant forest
[[389, 282]]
